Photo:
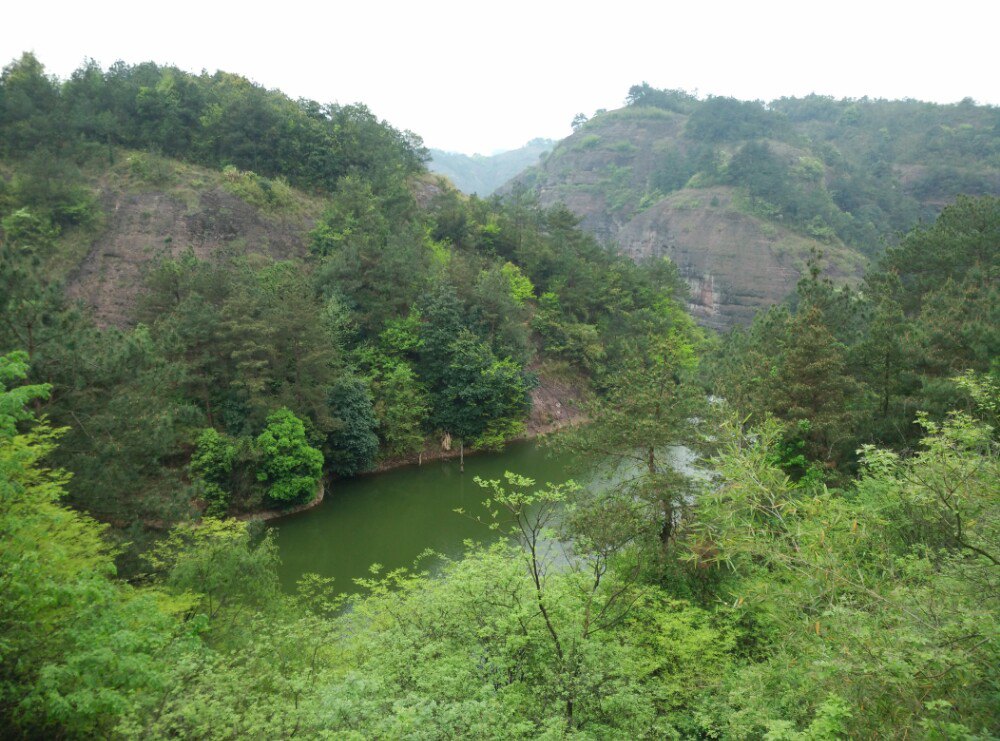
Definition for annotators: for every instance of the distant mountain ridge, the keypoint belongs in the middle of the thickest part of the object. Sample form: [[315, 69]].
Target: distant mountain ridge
[[483, 174], [740, 194]]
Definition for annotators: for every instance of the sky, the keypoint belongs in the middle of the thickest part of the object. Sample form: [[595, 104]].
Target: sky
[[483, 77]]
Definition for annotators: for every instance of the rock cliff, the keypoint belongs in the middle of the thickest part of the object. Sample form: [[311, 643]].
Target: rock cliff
[[740, 195]]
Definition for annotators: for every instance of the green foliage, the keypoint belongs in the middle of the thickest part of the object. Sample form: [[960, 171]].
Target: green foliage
[[30, 98], [791, 191], [476, 389], [727, 119], [59, 611], [849, 367], [353, 445], [813, 391], [215, 120], [872, 598], [402, 409], [116, 394], [775, 608], [375, 254], [354, 218], [672, 169], [223, 566], [577, 342], [14, 401], [865, 612], [960, 246], [650, 405], [212, 463], [678, 101], [289, 466], [269, 195], [519, 284]]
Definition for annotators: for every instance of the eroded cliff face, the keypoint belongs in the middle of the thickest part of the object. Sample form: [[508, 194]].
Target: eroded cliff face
[[140, 228], [734, 264], [740, 194]]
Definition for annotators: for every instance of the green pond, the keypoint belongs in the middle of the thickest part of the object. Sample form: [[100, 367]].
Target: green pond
[[391, 518]]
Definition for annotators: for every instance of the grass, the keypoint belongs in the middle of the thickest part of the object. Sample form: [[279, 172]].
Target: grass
[[145, 172], [272, 196], [590, 141], [637, 113]]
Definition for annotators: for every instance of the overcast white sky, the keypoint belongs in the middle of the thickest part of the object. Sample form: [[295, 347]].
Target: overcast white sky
[[478, 77]]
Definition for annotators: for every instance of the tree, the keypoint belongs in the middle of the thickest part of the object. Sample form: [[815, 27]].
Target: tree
[[883, 356], [223, 562], [477, 392], [813, 391], [183, 302], [289, 466], [29, 106], [352, 445], [373, 251], [212, 463], [280, 353], [762, 172], [402, 408], [960, 245], [441, 314], [31, 305], [79, 650], [14, 401], [604, 596], [499, 299], [650, 407]]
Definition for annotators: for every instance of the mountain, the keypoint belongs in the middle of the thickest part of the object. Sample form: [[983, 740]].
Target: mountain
[[741, 194], [482, 174]]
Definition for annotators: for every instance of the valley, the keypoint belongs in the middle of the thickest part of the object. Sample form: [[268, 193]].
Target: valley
[[684, 426]]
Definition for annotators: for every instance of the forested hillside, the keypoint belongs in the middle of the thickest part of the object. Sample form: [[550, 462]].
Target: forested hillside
[[739, 194], [483, 174], [214, 300], [209, 273]]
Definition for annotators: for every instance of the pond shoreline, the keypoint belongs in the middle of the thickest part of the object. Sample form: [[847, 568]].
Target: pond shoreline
[[398, 517], [427, 455], [556, 404]]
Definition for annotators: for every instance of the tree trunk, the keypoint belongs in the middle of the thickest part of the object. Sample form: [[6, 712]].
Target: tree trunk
[[668, 525], [461, 456]]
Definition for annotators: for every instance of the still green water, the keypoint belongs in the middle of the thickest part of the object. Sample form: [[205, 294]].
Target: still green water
[[391, 518]]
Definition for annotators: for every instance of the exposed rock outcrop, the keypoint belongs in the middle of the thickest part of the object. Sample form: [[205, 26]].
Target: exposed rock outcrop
[[142, 227], [734, 263]]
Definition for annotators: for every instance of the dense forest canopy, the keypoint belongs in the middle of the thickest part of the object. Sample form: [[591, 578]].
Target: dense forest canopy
[[834, 572], [854, 170], [215, 120]]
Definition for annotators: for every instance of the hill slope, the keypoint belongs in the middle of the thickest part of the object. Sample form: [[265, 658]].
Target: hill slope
[[739, 195], [184, 208], [482, 174]]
